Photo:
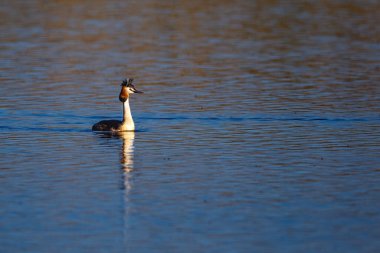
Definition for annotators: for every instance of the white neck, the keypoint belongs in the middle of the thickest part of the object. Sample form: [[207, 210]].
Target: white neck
[[127, 124]]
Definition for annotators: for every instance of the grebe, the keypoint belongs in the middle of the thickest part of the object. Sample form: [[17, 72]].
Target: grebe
[[127, 124]]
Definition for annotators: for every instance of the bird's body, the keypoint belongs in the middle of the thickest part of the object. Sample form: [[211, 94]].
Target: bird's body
[[116, 125], [107, 125]]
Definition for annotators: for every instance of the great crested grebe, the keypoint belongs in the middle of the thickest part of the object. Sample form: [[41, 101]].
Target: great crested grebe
[[127, 124]]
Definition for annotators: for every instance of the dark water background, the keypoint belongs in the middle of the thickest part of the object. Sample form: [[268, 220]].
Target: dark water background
[[258, 131]]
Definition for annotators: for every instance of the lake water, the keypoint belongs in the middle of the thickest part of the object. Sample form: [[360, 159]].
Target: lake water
[[258, 130]]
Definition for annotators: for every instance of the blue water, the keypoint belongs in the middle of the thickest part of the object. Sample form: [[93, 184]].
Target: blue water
[[258, 130]]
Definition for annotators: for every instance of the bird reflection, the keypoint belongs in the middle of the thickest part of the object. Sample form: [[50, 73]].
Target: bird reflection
[[126, 160], [126, 154]]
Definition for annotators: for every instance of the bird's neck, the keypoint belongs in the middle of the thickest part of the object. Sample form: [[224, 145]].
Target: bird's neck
[[127, 123]]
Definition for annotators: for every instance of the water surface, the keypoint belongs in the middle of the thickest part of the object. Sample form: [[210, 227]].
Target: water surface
[[258, 130]]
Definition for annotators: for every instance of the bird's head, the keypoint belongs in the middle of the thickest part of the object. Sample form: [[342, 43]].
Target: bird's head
[[127, 88]]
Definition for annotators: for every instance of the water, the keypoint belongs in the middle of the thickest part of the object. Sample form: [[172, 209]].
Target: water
[[258, 130]]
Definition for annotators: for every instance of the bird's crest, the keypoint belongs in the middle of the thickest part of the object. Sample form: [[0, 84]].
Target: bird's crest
[[127, 82]]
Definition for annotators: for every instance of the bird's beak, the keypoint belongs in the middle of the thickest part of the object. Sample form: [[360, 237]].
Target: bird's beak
[[137, 91]]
